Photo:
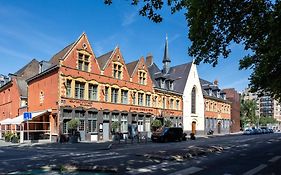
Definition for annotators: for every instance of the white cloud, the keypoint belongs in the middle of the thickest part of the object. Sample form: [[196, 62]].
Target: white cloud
[[129, 19]]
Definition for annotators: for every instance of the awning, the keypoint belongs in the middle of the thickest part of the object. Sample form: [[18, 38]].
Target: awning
[[19, 119], [5, 121]]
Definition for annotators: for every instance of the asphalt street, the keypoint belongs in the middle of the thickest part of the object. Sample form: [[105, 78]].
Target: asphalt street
[[249, 155]]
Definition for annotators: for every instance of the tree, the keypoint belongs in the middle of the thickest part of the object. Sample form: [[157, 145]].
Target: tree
[[264, 120], [168, 123], [155, 124], [216, 24], [248, 112], [73, 125]]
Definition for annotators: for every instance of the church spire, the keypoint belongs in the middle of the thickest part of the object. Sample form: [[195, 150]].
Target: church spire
[[166, 60]]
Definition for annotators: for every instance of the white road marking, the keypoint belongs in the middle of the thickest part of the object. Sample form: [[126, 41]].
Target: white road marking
[[151, 168], [244, 140], [274, 159], [255, 170], [187, 171], [1, 151], [105, 158]]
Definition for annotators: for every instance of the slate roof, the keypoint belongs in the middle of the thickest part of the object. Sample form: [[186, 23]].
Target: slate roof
[[21, 71], [103, 59], [22, 86], [178, 74], [55, 59], [131, 67], [207, 86]]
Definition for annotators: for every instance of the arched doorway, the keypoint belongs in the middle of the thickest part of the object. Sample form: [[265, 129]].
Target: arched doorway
[[219, 127], [193, 127]]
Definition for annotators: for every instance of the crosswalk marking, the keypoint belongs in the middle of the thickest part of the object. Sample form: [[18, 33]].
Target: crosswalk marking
[[274, 159], [152, 168], [255, 170], [187, 171]]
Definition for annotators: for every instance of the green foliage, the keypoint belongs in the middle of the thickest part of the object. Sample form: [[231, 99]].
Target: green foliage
[[73, 124], [215, 25], [248, 112], [264, 120], [115, 126], [155, 124], [168, 123], [8, 136]]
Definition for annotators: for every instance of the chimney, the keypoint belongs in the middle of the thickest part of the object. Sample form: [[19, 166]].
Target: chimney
[[149, 60], [216, 82]]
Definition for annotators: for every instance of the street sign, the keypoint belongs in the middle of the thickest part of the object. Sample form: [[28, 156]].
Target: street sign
[[27, 116]]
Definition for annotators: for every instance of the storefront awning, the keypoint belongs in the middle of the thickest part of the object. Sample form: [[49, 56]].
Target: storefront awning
[[5, 121], [19, 119]]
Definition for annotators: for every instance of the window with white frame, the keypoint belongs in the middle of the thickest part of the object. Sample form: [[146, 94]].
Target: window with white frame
[[114, 95], [83, 62], [171, 103], [163, 103], [68, 88], [177, 104], [124, 96], [106, 94], [147, 99], [140, 99], [79, 90], [142, 77], [93, 92], [117, 71], [134, 98]]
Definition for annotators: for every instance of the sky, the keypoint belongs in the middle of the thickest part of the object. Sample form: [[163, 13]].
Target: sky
[[39, 29]]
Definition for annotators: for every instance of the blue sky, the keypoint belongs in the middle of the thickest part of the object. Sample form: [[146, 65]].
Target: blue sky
[[39, 29]]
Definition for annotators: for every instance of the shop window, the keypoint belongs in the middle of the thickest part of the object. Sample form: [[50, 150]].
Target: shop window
[[79, 114], [114, 95], [67, 113], [124, 96], [79, 90], [93, 92], [83, 62], [124, 123], [81, 125], [147, 99], [117, 71], [105, 116]]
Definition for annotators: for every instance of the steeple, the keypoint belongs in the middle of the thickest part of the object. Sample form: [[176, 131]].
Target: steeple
[[166, 60]]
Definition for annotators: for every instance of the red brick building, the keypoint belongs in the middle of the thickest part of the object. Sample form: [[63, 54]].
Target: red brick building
[[217, 108], [98, 91], [13, 94], [233, 96]]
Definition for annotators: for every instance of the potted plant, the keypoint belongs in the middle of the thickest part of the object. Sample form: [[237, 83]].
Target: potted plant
[[156, 124], [168, 123], [115, 128], [72, 129]]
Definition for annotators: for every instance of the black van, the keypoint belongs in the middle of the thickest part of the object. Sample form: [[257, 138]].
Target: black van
[[168, 134]]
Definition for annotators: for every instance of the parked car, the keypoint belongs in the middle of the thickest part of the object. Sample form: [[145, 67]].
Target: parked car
[[248, 132], [168, 134]]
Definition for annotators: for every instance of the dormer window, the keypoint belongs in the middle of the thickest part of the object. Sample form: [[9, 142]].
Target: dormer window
[[117, 71], [83, 62], [171, 85], [210, 92], [142, 77]]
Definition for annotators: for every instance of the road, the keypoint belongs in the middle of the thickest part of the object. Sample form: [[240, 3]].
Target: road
[[248, 155]]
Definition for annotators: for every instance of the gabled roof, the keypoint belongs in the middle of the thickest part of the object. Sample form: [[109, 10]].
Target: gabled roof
[[22, 85], [103, 59], [55, 59], [131, 67], [178, 74], [19, 72]]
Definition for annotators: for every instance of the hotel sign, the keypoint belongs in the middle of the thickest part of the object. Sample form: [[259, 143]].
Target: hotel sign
[[139, 109], [82, 103]]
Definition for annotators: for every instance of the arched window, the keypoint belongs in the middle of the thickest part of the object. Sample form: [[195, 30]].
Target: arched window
[[193, 100]]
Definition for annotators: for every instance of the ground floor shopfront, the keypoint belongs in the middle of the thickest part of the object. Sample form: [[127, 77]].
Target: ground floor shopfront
[[96, 125]]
